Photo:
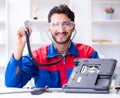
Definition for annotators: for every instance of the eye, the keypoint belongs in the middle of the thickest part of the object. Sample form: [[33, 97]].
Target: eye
[[66, 23], [55, 24]]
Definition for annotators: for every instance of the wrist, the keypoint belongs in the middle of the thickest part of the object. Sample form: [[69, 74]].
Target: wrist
[[18, 51]]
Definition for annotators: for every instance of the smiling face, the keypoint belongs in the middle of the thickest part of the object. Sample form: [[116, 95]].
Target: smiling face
[[61, 28]]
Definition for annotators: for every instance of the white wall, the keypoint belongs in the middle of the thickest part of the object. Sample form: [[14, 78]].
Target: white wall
[[82, 17], [18, 12]]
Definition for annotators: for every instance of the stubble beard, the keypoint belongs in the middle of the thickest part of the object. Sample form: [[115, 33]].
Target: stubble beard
[[61, 40]]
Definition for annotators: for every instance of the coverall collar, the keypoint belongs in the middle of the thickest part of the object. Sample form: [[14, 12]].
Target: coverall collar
[[52, 52]]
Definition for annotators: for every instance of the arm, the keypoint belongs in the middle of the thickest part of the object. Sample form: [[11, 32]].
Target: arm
[[20, 42], [14, 71], [26, 70], [94, 55]]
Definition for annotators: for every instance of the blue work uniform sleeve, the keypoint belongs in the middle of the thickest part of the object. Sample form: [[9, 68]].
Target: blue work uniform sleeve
[[25, 68], [94, 55]]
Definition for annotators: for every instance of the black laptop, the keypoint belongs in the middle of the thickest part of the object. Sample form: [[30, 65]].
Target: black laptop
[[91, 76]]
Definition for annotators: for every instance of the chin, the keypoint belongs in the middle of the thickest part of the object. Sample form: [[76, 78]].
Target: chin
[[62, 42]]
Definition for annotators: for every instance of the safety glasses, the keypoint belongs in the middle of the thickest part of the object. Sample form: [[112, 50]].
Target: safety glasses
[[64, 25]]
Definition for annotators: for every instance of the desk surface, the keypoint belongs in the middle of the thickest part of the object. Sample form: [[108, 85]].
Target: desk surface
[[22, 93]]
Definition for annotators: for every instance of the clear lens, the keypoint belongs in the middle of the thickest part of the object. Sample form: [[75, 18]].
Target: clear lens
[[64, 25]]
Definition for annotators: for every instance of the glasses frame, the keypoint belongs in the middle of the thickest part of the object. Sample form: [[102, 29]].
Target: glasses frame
[[65, 25]]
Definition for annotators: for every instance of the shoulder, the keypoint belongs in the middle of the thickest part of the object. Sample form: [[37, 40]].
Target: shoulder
[[83, 46], [86, 50]]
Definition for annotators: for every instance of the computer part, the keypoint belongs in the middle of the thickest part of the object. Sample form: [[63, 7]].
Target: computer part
[[91, 76]]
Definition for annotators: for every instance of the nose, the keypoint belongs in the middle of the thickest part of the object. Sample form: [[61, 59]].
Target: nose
[[61, 28]]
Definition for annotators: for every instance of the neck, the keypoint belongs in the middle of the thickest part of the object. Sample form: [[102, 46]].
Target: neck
[[62, 48]]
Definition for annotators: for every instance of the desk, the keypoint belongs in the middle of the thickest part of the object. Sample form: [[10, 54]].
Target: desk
[[27, 94]]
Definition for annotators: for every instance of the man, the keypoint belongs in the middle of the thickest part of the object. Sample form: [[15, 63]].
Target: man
[[21, 69]]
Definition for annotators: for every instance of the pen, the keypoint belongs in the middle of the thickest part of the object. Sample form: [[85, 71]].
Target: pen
[[117, 87]]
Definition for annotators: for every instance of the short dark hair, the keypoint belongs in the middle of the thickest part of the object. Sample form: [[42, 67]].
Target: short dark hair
[[61, 9]]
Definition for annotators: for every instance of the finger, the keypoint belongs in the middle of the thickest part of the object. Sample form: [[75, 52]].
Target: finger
[[22, 30], [30, 29]]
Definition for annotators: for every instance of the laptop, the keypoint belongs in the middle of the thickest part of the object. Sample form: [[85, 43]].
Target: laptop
[[91, 76]]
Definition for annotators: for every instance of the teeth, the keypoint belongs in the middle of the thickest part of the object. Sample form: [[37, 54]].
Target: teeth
[[61, 34]]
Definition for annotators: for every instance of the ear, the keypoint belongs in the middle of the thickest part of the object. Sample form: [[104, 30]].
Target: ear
[[73, 29], [49, 29]]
